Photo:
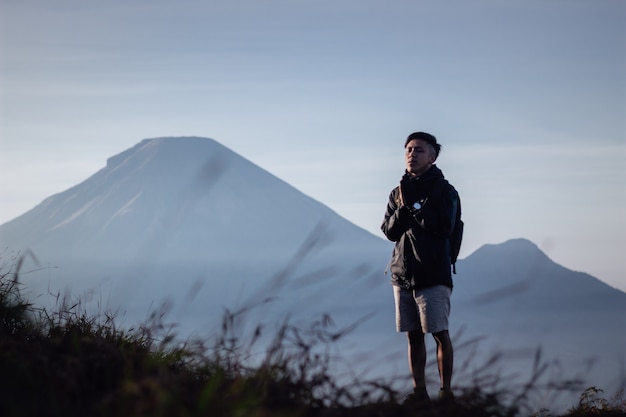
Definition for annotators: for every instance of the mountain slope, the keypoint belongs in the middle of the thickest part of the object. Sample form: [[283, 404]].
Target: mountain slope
[[517, 273], [518, 303], [162, 187], [173, 214]]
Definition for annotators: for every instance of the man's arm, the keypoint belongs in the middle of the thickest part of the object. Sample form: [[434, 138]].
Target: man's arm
[[438, 214], [398, 218]]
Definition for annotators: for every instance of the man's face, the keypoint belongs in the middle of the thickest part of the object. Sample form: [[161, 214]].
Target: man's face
[[419, 156]]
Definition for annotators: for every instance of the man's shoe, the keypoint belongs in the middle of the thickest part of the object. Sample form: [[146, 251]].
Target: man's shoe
[[418, 399], [446, 396]]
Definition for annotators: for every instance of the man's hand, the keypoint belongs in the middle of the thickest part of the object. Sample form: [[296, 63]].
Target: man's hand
[[403, 200]]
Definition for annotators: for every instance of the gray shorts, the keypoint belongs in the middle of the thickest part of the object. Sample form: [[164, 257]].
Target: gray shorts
[[426, 309]]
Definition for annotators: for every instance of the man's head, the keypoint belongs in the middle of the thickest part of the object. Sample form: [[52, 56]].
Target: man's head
[[421, 152]]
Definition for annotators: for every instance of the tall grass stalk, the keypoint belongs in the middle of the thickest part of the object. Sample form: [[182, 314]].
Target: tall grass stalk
[[69, 363]]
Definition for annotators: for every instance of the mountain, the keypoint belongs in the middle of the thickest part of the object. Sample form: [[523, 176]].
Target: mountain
[[518, 274], [190, 191], [521, 302], [187, 227], [173, 214]]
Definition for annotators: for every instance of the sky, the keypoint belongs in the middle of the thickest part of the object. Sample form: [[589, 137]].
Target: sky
[[527, 97]]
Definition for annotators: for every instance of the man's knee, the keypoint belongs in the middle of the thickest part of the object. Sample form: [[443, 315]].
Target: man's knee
[[415, 336], [442, 338]]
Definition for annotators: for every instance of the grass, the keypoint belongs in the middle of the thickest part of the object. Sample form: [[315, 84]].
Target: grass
[[67, 363]]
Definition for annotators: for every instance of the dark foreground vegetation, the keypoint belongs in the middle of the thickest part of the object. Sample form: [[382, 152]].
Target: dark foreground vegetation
[[68, 363]]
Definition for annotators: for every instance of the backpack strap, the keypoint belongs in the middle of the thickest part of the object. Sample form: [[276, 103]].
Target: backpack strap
[[456, 234]]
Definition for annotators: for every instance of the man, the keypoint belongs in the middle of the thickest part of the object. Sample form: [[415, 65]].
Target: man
[[420, 216]]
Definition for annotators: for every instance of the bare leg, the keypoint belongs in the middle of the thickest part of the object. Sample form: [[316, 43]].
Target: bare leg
[[445, 358], [417, 358]]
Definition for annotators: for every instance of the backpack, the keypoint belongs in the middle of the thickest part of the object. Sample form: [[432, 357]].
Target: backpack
[[456, 237]]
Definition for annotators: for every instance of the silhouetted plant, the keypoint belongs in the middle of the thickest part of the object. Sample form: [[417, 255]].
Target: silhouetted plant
[[69, 363], [14, 309], [592, 403]]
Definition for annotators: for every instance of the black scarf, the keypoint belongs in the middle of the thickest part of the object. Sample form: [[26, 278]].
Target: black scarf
[[419, 188]]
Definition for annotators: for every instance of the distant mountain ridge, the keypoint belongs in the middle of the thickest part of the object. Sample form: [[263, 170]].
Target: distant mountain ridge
[[518, 269], [188, 224]]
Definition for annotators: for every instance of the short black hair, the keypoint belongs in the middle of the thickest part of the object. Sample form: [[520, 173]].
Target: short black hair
[[426, 137]]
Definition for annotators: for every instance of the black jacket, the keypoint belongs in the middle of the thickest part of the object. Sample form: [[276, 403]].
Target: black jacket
[[421, 256]]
